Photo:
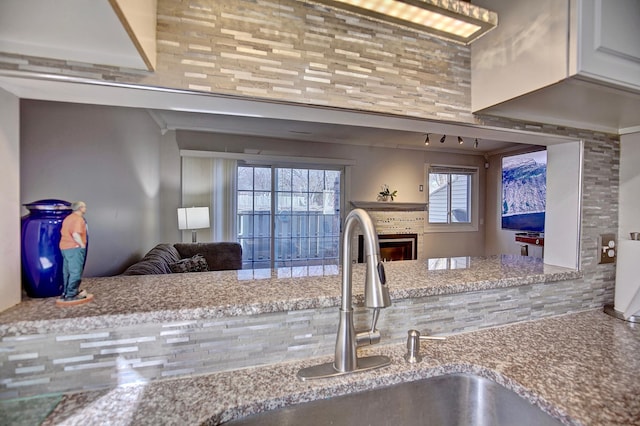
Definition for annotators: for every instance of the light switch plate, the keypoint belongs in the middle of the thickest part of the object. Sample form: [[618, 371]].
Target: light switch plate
[[608, 248]]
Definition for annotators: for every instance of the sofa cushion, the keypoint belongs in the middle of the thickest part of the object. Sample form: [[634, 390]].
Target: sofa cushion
[[156, 261], [219, 255], [196, 263], [164, 251], [148, 267]]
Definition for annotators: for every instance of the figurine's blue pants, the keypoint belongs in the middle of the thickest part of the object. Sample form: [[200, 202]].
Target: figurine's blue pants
[[72, 270]]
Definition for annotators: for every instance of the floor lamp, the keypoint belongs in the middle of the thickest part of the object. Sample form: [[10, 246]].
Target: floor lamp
[[193, 218]]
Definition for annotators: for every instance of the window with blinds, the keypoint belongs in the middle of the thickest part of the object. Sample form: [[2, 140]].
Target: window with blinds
[[451, 195]]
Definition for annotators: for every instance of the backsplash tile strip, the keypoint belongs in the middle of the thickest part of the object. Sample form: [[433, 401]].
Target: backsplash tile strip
[[23, 356], [227, 343], [82, 336]]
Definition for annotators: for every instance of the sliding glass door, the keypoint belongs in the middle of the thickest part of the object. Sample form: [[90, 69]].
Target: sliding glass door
[[288, 216]]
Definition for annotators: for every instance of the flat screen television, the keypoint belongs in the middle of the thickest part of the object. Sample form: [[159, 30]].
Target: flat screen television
[[524, 191]]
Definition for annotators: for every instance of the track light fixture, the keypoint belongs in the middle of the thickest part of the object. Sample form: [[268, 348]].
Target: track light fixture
[[426, 141], [444, 138]]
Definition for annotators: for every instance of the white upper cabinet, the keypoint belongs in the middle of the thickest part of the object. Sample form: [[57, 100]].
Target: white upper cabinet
[[607, 41], [566, 62]]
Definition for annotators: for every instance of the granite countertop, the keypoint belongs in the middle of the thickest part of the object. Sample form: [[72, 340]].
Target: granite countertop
[[129, 300], [581, 368]]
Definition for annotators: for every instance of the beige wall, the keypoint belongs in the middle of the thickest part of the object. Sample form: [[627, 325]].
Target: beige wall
[[401, 169], [10, 200]]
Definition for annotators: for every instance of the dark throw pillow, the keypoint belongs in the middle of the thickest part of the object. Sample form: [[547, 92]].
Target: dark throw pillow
[[196, 263]]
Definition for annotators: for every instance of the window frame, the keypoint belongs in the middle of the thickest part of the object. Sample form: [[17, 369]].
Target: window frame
[[274, 191], [474, 200]]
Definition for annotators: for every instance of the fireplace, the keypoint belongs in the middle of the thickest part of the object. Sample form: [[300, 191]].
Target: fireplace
[[393, 247]]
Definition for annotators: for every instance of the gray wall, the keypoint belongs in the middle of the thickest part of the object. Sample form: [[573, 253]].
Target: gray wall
[[170, 198], [108, 157]]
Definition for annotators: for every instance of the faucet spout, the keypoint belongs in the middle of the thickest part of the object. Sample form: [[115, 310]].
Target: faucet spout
[[376, 293], [376, 296]]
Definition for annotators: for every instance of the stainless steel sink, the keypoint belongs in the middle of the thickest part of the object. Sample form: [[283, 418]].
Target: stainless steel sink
[[456, 399]]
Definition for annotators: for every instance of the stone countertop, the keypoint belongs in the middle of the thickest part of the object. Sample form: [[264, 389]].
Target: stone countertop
[[581, 368], [130, 300]]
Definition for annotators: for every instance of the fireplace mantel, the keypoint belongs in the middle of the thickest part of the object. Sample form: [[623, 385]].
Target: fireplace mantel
[[389, 205]]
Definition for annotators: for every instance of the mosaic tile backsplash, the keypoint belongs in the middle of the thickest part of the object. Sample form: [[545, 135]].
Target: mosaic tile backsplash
[[232, 322]]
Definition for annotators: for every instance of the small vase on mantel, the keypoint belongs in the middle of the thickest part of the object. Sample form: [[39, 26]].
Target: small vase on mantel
[[386, 193], [41, 256]]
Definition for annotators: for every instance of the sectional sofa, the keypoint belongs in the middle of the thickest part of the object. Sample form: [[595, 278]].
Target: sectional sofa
[[166, 258]]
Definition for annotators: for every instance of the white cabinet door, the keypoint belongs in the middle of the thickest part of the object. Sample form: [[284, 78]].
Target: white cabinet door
[[608, 34]]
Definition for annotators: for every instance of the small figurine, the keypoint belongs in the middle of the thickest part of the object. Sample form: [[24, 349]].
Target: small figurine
[[73, 245]]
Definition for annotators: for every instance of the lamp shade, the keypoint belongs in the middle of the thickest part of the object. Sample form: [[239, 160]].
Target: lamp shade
[[193, 218]]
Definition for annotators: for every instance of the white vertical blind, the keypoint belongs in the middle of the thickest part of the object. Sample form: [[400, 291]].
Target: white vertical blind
[[210, 182]]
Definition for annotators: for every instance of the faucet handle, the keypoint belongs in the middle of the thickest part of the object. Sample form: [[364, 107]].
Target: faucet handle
[[381, 274], [413, 345]]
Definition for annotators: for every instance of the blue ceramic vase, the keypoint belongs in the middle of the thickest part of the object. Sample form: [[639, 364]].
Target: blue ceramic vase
[[41, 256]]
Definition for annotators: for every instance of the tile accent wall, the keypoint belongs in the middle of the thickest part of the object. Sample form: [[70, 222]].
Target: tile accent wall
[[290, 50], [102, 358], [398, 222], [395, 222], [293, 50]]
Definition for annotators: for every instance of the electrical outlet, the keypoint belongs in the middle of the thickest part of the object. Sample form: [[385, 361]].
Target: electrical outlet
[[607, 248]]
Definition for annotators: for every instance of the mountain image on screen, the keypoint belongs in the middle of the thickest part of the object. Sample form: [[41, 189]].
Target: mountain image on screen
[[524, 192]]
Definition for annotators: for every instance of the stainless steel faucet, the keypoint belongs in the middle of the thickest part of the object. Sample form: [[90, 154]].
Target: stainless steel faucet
[[376, 296]]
